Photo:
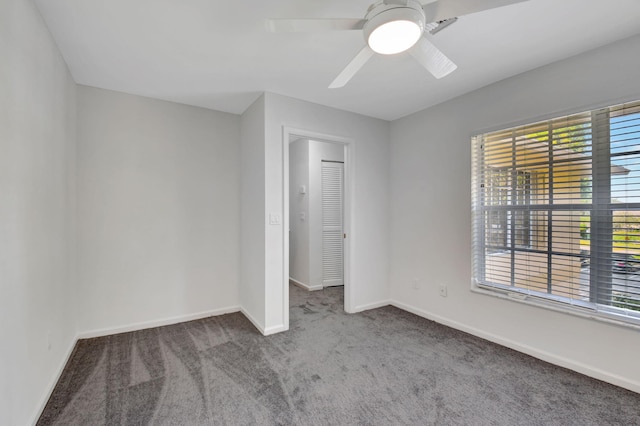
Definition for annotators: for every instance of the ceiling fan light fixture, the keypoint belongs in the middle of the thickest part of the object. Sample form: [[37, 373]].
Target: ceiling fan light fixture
[[391, 28], [394, 37]]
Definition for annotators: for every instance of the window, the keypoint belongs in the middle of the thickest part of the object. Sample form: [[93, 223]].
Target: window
[[556, 211], [501, 188]]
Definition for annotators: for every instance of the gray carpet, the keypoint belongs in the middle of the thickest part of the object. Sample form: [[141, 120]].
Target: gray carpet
[[380, 367]]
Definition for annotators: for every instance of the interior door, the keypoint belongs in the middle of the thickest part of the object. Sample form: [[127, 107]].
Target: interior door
[[332, 232]]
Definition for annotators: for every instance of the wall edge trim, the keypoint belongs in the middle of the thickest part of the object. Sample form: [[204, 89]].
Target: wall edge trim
[[369, 306], [306, 286], [54, 381], [275, 329], [157, 323], [252, 320]]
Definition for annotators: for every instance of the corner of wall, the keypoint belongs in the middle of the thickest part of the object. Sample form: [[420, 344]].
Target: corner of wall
[[251, 289]]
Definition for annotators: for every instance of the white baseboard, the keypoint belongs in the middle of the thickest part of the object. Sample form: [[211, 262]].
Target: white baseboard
[[265, 331], [156, 323], [368, 306], [306, 286], [252, 320], [53, 382], [275, 329], [534, 352]]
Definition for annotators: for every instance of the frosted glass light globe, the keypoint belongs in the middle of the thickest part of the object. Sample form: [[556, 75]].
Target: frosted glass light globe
[[394, 37]]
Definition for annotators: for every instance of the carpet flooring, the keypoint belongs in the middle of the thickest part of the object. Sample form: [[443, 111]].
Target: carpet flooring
[[380, 367]]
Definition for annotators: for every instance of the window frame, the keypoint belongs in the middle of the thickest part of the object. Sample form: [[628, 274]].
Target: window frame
[[591, 308]]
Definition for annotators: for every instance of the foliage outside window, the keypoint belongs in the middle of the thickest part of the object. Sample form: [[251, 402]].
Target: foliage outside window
[[556, 211]]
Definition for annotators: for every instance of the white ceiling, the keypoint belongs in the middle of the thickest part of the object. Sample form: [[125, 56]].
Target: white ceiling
[[217, 54]]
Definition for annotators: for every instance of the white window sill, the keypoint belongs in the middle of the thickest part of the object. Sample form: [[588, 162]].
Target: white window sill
[[580, 309]]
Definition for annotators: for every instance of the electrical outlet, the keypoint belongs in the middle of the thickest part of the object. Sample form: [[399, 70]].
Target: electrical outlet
[[443, 290], [416, 284]]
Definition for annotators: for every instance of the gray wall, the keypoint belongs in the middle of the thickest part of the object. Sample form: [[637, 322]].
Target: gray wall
[[431, 211], [158, 211], [299, 203], [252, 249], [37, 213]]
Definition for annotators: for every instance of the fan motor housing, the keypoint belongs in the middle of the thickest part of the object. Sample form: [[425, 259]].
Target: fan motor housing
[[382, 13]]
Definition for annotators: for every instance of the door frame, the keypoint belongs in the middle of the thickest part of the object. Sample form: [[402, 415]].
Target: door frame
[[290, 134]]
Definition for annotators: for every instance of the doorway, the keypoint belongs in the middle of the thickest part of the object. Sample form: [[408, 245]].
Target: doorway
[[317, 222]]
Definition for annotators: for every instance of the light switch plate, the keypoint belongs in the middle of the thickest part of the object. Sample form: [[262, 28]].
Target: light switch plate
[[274, 219]]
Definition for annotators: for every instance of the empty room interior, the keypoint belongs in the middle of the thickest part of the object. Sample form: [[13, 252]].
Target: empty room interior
[[287, 212]]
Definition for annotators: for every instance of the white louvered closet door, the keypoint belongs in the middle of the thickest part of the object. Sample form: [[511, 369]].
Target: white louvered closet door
[[332, 234]]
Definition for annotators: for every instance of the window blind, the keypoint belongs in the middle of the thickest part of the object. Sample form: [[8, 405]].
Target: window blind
[[556, 210]]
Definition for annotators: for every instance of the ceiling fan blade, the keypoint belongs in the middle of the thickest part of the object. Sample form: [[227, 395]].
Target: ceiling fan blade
[[313, 25], [353, 67], [432, 58], [445, 9]]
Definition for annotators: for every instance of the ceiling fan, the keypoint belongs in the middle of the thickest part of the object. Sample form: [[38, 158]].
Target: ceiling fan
[[395, 26]]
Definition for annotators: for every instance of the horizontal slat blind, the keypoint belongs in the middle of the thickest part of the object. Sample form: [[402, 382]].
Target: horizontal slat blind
[[556, 209]]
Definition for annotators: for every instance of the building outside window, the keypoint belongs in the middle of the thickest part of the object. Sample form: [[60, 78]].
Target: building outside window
[[502, 185]]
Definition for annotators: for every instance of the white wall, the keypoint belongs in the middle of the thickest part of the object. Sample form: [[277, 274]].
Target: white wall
[[37, 213], [431, 211], [299, 204], [370, 169], [318, 151], [158, 211], [253, 221]]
